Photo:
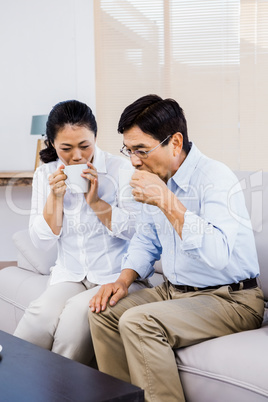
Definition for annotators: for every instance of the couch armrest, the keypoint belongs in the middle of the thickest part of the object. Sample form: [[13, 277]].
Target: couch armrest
[[31, 258]]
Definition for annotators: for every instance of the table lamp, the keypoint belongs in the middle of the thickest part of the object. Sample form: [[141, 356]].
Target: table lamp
[[39, 128]]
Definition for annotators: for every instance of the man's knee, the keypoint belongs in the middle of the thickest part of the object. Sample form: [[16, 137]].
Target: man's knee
[[131, 320], [98, 319], [93, 318]]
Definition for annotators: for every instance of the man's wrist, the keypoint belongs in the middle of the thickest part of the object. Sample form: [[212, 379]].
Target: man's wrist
[[167, 202], [127, 276]]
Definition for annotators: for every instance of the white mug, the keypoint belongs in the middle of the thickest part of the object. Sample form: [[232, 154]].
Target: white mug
[[74, 181], [125, 188]]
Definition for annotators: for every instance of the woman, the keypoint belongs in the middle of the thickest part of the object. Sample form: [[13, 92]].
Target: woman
[[91, 232]]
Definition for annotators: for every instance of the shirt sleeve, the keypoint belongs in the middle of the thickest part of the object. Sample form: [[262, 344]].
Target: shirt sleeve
[[40, 232], [125, 209], [124, 220], [144, 249], [123, 223]]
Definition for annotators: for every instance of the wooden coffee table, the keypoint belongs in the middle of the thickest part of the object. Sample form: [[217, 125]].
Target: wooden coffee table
[[29, 373]]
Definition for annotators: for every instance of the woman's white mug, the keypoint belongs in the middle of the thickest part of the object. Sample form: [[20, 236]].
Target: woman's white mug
[[75, 182]]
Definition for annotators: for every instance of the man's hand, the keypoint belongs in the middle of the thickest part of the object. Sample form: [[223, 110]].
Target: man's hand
[[117, 290], [151, 189], [148, 188]]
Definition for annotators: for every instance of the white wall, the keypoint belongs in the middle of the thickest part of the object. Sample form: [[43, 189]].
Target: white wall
[[47, 55]]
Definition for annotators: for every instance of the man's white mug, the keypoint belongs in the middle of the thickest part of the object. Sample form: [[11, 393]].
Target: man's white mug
[[124, 186], [74, 181]]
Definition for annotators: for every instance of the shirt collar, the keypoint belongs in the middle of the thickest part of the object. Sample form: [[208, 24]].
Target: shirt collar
[[99, 160], [184, 173]]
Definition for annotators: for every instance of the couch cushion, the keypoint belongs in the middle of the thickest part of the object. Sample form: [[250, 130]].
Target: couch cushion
[[31, 258], [233, 367], [18, 288]]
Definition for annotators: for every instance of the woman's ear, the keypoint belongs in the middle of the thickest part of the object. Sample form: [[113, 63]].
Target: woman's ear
[[177, 142]]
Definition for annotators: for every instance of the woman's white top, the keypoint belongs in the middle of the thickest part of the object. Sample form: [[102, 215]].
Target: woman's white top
[[86, 247]]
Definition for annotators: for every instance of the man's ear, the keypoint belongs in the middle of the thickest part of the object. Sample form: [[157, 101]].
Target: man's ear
[[177, 142]]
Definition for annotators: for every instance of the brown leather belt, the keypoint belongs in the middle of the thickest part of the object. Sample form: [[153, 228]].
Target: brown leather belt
[[246, 284]]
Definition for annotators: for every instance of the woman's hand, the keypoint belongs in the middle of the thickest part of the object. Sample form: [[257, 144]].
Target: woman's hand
[[102, 209], [57, 182], [53, 209], [91, 174]]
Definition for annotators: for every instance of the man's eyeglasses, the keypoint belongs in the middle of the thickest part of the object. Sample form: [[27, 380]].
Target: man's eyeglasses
[[139, 153]]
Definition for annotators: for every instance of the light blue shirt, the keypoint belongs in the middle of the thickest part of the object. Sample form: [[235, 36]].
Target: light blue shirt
[[217, 245]]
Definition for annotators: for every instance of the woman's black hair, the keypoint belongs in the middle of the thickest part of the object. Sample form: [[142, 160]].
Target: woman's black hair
[[157, 117], [67, 112]]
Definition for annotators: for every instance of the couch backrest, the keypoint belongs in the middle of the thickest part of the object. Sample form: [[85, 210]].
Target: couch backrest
[[31, 258], [255, 187]]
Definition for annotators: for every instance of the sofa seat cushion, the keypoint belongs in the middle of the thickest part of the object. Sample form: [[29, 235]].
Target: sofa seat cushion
[[18, 288], [229, 368]]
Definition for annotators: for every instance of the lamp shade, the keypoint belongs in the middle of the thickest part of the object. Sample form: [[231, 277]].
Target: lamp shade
[[39, 124]]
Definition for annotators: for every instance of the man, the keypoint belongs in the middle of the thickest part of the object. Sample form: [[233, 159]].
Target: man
[[208, 257]]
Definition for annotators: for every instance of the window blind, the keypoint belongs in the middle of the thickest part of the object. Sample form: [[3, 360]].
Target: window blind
[[211, 56]]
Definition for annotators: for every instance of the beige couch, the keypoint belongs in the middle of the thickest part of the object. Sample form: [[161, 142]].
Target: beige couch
[[231, 368]]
